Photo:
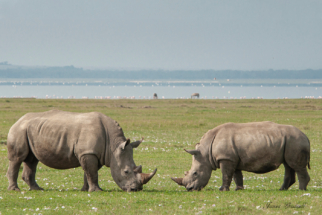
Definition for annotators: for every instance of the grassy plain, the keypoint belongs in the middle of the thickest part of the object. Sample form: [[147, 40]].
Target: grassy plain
[[168, 126]]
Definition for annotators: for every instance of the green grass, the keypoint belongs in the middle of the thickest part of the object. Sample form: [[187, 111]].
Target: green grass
[[168, 126]]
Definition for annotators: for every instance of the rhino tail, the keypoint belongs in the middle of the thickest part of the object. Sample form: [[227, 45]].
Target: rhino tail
[[308, 159]]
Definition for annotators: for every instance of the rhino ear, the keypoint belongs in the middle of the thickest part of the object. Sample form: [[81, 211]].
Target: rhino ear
[[124, 144], [136, 143], [193, 152], [138, 169]]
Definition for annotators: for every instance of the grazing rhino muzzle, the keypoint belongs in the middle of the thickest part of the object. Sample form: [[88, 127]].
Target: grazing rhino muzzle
[[65, 140], [198, 176], [257, 147]]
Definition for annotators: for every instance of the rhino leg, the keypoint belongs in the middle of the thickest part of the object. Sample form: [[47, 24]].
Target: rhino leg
[[29, 172], [85, 186], [303, 177], [238, 178], [289, 177], [90, 166], [227, 169], [12, 175]]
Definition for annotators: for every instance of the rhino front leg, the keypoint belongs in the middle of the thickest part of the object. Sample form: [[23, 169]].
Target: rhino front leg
[[12, 175], [227, 169], [29, 173], [289, 177], [238, 178], [90, 166]]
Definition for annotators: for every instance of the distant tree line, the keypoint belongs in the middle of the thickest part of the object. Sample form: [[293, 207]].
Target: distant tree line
[[73, 72]]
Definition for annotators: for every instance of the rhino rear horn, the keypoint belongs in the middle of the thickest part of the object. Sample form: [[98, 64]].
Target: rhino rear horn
[[138, 169], [178, 181], [193, 152], [145, 178], [136, 143]]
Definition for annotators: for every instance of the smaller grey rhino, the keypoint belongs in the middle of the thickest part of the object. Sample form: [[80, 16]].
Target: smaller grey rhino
[[258, 147]]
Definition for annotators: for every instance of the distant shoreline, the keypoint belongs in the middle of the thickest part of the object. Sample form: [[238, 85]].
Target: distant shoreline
[[164, 83], [8, 71]]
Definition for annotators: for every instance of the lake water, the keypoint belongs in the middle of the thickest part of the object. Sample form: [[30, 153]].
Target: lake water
[[167, 92]]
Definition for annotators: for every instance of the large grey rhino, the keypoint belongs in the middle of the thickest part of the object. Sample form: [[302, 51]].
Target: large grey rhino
[[257, 147], [65, 140]]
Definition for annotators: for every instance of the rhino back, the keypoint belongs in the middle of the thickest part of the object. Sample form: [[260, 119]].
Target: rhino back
[[58, 139], [256, 147]]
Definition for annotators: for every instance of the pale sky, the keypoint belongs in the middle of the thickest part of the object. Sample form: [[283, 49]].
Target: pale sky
[[165, 34]]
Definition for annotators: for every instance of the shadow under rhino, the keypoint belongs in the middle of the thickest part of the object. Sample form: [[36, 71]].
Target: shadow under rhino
[[65, 140]]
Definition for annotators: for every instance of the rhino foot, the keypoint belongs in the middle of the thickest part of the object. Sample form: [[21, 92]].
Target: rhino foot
[[95, 189], [15, 188], [239, 188], [224, 189], [85, 188], [36, 188]]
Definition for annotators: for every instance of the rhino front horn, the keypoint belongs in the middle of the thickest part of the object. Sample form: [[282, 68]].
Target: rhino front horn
[[178, 181], [145, 178]]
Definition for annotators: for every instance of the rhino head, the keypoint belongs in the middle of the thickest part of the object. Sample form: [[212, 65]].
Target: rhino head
[[199, 174], [125, 173]]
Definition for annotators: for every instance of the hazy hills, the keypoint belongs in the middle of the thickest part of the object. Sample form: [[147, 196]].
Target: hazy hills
[[8, 71]]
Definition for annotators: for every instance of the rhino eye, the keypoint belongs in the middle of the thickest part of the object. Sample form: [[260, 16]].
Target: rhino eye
[[126, 171], [195, 174]]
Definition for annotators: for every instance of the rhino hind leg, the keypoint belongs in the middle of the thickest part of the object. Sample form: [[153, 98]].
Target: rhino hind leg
[[85, 186], [29, 172], [12, 175], [238, 178], [289, 177], [227, 169], [303, 177], [90, 166]]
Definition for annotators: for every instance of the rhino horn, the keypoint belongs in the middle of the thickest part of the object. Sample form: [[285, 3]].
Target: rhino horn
[[145, 178], [193, 152], [136, 143], [138, 169], [178, 181]]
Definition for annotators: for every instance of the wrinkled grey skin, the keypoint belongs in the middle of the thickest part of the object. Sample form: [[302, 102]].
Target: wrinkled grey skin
[[257, 147], [195, 95], [65, 140]]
